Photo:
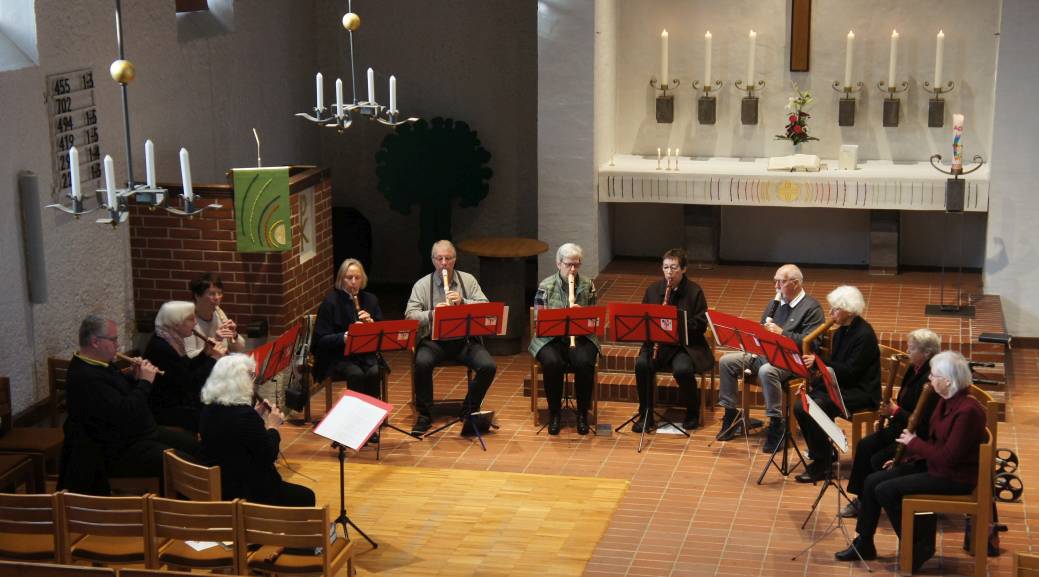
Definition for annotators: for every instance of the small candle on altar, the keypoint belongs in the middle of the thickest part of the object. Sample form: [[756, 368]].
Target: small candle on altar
[[371, 86], [393, 93], [894, 59], [848, 51], [77, 193], [149, 163], [113, 201], [677, 153], [939, 54], [185, 174], [658, 159], [707, 59], [663, 60], [957, 142], [320, 84], [339, 97], [752, 38], [669, 159]]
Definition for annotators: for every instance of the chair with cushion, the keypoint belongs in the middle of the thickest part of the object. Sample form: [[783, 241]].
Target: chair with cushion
[[43, 441], [291, 540], [30, 528], [175, 522], [105, 530], [187, 480], [29, 569]]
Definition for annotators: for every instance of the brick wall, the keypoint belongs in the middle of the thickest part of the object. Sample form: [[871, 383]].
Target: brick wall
[[168, 251]]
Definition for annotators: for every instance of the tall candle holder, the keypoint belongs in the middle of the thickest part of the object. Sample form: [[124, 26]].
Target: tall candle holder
[[892, 105], [847, 102], [749, 103], [707, 105], [936, 106], [665, 102]]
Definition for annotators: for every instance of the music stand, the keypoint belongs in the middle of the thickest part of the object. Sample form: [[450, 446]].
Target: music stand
[[463, 322], [569, 322], [837, 441], [648, 323], [377, 337]]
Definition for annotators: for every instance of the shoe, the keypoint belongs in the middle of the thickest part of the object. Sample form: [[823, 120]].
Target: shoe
[[851, 510], [727, 431], [422, 424], [582, 423], [773, 435], [553, 423], [643, 425], [374, 439], [814, 474], [858, 548]]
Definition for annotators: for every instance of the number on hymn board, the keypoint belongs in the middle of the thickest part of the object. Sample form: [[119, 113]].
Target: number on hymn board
[[74, 122]]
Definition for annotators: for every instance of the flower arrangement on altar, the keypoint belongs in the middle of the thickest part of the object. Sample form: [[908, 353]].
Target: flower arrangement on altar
[[797, 121]]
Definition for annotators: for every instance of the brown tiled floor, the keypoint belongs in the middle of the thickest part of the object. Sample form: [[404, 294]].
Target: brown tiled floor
[[694, 509]]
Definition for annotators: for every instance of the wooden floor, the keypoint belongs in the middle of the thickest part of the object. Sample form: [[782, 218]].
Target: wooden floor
[[691, 508]]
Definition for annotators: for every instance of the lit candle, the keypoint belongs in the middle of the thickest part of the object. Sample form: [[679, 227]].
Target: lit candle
[[113, 201], [149, 163], [185, 174], [77, 193], [894, 59], [339, 97], [939, 54], [957, 142], [663, 60], [669, 159], [393, 93], [371, 86], [677, 154], [753, 40], [848, 50], [320, 85], [707, 59]]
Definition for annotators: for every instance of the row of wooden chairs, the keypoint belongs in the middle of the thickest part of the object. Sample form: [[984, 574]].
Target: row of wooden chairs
[[26, 569], [155, 532]]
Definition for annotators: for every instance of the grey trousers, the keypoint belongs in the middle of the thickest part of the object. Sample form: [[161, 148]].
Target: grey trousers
[[770, 378]]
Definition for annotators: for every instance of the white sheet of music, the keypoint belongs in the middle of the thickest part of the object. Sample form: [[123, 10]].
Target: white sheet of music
[[824, 421], [353, 419]]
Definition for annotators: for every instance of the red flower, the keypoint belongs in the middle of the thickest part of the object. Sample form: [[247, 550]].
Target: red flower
[[797, 129], [793, 118]]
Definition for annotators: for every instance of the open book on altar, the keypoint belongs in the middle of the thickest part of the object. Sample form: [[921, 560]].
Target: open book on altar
[[795, 163]]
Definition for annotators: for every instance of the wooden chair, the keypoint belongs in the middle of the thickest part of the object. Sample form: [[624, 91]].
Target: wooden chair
[[57, 376], [535, 389], [893, 365], [17, 469], [292, 540], [174, 522], [30, 528], [29, 569], [1025, 565], [43, 441], [188, 480], [105, 530], [132, 572]]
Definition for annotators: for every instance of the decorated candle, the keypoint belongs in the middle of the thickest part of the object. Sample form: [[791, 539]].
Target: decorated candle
[[957, 142]]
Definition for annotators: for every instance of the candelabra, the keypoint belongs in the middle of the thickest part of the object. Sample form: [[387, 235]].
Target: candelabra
[[892, 105], [665, 101], [936, 106], [749, 103], [707, 105], [846, 104]]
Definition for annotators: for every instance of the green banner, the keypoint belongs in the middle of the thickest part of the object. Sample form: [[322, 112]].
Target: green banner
[[262, 210]]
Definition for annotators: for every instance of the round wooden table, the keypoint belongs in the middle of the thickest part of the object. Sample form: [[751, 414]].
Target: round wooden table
[[508, 273]]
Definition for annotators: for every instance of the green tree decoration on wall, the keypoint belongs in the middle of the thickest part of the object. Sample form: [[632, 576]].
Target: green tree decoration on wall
[[430, 165]]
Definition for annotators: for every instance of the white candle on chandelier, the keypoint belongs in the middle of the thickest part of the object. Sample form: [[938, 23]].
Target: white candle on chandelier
[[894, 59], [149, 163], [371, 86], [339, 97], [753, 40], [707, 59], [848, 51], [320, 86], [939, 55], [663, 81], [77, 193], [393, 93], [113, 201], [185, 174]]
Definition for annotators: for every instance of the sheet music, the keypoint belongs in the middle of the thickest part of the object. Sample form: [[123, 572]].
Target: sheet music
[[353, 419], [832, 430]]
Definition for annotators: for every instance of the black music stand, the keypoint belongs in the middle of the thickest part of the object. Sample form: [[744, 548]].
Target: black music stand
[[733, 332], [648, 323], [565, 323], [379, 337], [464, 322]]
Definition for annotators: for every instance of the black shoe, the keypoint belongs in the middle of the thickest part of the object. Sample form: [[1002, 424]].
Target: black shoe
[[422, 424], [851, 510], [374, 439], [859, 548], [582, 423], [815, 473], [553, 423], [643, 425], [773, 435], [727, 431]]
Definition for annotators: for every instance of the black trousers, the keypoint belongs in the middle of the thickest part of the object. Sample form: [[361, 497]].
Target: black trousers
[[184, 417], [361, 376], [470, 353], [871, 454], [815, 437], [555, 357], [144, 457], [681, 366], [291, 495], [885, 490]]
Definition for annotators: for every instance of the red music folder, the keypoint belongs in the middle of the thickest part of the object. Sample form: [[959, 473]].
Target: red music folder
[[382, 336], [736, 333], [472, 320], [272, 358], [640, 323], [573, 321]]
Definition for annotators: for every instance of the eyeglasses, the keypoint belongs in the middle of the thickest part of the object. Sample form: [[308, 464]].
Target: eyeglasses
[[114, 339], [571, 264], [783, 281], [444, 258], [671, 267]]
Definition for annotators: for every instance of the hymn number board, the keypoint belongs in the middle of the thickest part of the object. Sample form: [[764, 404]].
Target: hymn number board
[[72, 113]]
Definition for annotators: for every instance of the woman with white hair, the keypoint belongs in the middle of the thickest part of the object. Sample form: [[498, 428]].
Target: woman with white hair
[[243, 439], [855, 360], [175, 397], [875, 450], [945, 464]]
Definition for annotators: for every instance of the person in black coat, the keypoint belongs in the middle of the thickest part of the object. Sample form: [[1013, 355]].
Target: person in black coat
[[243, 439], [334, 317], [855, 360], [175, 398], [875, 450], [684, 361]]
